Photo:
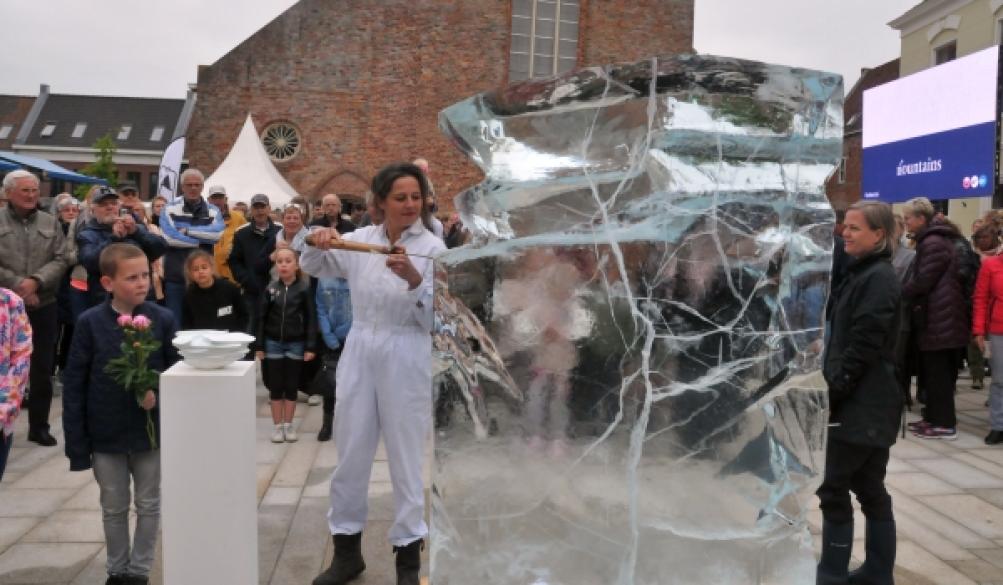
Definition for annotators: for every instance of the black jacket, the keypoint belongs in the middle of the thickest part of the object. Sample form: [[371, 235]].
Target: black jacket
[[248, 242], [98, 415], [864, 397], [344, 226], [218, 307], [288, 313], [95, 236]]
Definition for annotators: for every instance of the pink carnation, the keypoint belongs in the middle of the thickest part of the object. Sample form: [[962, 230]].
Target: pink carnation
[[141, 322], [124, 320]]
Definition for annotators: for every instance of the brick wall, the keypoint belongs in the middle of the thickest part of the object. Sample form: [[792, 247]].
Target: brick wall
[[364, 81]]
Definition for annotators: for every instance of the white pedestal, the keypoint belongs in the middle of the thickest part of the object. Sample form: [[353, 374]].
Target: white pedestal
[[209, 475]]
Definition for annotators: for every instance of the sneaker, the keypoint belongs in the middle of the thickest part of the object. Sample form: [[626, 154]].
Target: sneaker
[[917, 425], [932, 432], [278, 435], [314, 399], [290, 433]]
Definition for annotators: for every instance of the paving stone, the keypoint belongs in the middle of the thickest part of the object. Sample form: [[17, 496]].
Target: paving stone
[[921, 563], [973, 513], [992, 555], [912, 450], [26, 563], [979, 571], [32, 502], [69, 526], [920, 484], [295, 466], [12, 529], [95, 572], [281, 496], [900, 466], [273, 524], [302, 556], [87, 498], [939, 523], [907, 527], [981, 463], [958, 473], [54, 472]]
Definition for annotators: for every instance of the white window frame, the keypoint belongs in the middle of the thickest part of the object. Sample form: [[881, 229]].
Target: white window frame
[[79, 129], [48, 129], [6, 130], [841, 178], [124, 132], [555, 65], [944, 45], [157, 134]]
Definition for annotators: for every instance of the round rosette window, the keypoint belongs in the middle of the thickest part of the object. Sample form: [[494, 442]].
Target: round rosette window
[[282, 141]]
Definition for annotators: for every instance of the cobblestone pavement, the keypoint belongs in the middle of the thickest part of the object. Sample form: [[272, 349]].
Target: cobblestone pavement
[[948, 499]]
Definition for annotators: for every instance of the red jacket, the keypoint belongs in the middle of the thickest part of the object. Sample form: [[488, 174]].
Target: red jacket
[[987, 302]]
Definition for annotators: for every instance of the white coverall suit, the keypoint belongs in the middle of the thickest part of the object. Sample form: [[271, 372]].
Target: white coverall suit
[[384, 379]]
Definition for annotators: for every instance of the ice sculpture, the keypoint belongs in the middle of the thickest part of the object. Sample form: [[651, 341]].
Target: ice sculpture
[[628, 352]]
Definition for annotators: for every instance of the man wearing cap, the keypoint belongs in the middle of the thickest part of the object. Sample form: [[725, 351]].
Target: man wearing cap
[[330, 207], [32, 264], [111, 223], [128, 195], [248, 243], [233, 220], [188, 223]]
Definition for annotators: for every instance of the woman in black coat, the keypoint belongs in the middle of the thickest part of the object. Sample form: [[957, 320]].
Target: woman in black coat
[[864, 400], [940, 318]]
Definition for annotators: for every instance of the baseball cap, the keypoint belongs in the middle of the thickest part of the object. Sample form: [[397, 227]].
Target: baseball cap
[[259, 199], [217, 190], [103, 193], [127, 186]]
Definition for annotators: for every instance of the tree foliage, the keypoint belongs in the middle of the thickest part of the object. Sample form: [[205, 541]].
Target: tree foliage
[[103, 166]]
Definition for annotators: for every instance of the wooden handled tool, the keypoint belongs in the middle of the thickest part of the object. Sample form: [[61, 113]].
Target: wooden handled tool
[[359, 247]]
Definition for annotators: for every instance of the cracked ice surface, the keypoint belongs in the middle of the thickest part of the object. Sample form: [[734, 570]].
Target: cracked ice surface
[[627, 354]]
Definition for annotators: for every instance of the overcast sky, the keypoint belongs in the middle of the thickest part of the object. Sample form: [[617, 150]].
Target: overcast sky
[[153, 47]]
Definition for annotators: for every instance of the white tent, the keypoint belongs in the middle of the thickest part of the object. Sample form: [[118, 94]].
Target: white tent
[[248, 170]]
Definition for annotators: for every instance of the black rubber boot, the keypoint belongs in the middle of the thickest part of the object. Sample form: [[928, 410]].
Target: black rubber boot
[[409, 562], [879, 565], [325, 428], [837, 543], [347, 563]]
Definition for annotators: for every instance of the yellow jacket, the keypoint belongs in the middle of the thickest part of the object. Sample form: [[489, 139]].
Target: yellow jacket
[[222, 249]]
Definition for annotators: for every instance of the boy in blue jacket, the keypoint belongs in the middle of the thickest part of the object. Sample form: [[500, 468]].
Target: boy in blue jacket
[[334, 316], [105, 427]]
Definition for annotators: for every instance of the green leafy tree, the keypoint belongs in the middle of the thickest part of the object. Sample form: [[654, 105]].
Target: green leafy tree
[[103, 167]]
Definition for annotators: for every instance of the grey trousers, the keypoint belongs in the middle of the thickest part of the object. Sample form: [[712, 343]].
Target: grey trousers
[[113, 472], [996, 387]]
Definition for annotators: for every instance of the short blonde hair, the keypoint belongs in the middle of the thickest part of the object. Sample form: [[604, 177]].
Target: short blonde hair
[[920, 206]]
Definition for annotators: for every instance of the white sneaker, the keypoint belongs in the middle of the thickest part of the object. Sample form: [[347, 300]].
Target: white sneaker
[[302, 396], [278, 435], [315, 399], [291, 436]]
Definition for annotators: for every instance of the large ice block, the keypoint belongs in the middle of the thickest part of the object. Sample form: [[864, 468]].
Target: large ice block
[[628, 352]]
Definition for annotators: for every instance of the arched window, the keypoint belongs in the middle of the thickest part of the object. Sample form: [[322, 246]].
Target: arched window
[[544, 38]]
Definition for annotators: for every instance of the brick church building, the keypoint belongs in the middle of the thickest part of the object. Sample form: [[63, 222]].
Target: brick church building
[[339, 88]]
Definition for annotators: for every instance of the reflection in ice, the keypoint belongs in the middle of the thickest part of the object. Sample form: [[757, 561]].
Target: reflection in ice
[[627, 354]]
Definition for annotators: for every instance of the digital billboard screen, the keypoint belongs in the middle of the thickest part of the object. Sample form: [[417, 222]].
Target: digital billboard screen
[[933, 133]]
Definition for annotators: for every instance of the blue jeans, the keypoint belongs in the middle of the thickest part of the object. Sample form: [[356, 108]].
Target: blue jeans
[[174, 298], [275, 350], [5, 443]]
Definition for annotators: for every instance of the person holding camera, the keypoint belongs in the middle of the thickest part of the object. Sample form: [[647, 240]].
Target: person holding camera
[[111, 223]]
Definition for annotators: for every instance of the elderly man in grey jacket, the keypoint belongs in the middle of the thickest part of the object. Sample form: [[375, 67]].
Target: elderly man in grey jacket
[[33, 262]]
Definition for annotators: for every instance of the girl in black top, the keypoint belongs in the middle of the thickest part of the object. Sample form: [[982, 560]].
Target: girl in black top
[[211, 302]]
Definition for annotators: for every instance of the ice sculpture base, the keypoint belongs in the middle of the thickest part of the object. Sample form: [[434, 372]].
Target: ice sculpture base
[[208, 475]]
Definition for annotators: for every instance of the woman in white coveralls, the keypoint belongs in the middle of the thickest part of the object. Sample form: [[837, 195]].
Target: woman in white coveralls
[[384, 377]]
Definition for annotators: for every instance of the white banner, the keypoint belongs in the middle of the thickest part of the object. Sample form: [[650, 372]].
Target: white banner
[[170, 169]]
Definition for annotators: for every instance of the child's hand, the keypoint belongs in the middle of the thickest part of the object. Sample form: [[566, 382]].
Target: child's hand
[[149, 401], [259, 355], [308, 356]]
